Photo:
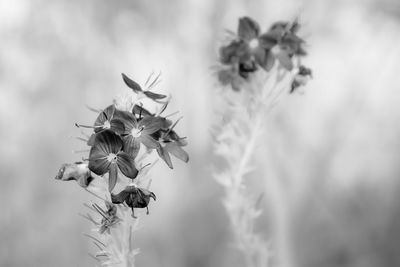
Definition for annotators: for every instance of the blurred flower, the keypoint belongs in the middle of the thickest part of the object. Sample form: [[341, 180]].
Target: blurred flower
[[249, 50], [78, 171], [134, 197], [283, 42], [106, 155], [138, 89], [302, 77]]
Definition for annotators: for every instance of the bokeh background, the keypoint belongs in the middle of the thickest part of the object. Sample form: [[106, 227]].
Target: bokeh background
[[337, 145]]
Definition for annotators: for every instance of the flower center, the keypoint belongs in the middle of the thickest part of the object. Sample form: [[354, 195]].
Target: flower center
[[112, 158], [106, 125], [136, 132], [276, 50], [253, 44]]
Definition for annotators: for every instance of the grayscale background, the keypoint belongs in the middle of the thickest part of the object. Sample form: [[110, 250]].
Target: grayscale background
[[339, 142]]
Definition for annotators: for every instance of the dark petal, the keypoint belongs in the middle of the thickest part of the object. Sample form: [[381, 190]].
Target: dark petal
[[268, 40], [230, 53], [109, 112], [140, 111], [304, 71], [166, 123], [131, 145], [163, 153], [248, 29], [225, 76], [154, 96], [146, 192], [90, 141], [279, 26], [269, 61], [112, 176], [128, 120], [99, 166], [107, 142], [175, 137], [294, 86], [285, 60], [151, 124], [177, 151], [260, 57], [148, 141], [117, 126], [132, 84], [120, 197], [126, 164], [248, 66]]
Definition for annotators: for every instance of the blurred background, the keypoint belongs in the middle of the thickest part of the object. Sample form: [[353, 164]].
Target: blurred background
[[336, 146]]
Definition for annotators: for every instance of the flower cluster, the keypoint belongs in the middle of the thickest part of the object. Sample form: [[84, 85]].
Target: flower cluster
[[251, 50], [118, 136]]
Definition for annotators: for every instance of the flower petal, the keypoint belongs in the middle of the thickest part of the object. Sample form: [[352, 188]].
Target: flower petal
[[269, 61], [108, 142], [177, 151], [163, 153], [120, 197], [151, 124], [112, 176], [248, 28], [98, 165], [285, 60], [153, 96], [131, 84], [105, 115], [268, 40], [131, 145], [140, 111], [148, 141], [117, 126], [126, 164], [128, 120]]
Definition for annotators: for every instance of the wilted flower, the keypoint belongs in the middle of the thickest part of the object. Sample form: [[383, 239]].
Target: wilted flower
[[138, 89], [134, 197], [137, 132], [302, 77], [78, 171], [107, 155]]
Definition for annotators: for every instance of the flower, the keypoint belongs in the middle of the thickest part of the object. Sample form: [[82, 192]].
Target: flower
[[106, 121], [170, 142], [77, 171], [303, 75], [248, 51], [283, 43], [134, 197], [106, 155], [138, 89], [139, 131]]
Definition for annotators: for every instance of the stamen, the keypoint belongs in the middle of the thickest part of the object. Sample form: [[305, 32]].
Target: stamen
[[86, 126], [171, 114], [155, 81], [148, 78], [148, 164]]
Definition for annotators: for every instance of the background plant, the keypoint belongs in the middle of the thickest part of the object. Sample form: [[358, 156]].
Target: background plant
[[260, 68]]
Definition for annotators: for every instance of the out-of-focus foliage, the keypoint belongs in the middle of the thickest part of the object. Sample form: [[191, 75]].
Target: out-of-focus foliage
[[336, 146]]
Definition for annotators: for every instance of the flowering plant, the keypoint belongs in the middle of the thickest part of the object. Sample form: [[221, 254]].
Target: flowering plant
[[123, 136]]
